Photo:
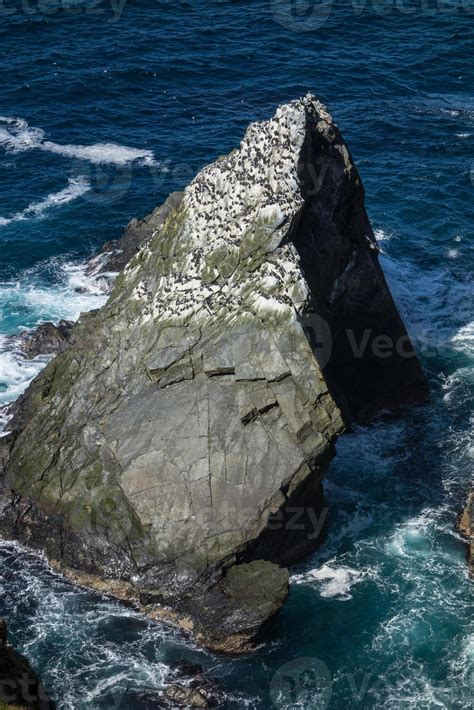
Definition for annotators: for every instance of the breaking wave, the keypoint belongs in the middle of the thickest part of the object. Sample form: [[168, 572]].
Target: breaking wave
[[76, 188], [74, 290], [17, 136]]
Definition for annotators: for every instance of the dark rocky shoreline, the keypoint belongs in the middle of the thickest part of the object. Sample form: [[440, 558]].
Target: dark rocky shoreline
[[125, 462]]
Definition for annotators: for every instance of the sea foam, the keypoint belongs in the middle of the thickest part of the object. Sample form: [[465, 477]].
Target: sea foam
[[76, 187], [76, 289], [331, 580], [68, 617], [15, 374], [17, 136]]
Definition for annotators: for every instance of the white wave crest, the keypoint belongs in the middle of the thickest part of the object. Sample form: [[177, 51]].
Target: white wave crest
[[17, 136], [15, 374], [335, 582], [75, 188], [102, 153], [74, 291]]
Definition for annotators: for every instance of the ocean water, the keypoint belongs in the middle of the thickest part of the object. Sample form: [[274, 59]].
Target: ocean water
[[107, 106]]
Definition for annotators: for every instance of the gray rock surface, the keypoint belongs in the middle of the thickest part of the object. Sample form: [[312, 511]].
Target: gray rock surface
[[169, 446]]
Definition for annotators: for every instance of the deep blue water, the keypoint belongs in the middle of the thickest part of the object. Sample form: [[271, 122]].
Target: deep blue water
[[105, 113]]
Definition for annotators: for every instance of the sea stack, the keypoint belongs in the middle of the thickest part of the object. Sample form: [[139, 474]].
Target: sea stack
[[165, 453]]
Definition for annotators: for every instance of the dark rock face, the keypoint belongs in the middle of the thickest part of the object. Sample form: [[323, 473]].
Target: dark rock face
[[3, 633], [179, 444], [231, 616], [19, 685], [368, 358], [47, 339]]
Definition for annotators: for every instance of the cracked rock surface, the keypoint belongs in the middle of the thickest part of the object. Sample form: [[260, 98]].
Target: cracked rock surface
[[196, 408]]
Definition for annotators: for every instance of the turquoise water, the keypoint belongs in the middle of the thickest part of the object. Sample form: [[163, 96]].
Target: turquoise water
[[104, 115]]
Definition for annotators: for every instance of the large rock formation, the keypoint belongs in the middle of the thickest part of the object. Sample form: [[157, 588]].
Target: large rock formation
[[177, 447]]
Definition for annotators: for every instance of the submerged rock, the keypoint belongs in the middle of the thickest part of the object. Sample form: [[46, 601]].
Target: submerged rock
[[183, 696], [190, 687], [177, 447]]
